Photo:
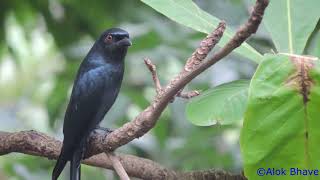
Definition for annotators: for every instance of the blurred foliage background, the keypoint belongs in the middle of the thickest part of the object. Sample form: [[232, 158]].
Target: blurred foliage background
[[42, 43]]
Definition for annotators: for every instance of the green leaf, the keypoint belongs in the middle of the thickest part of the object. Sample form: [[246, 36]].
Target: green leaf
[[187, 13], [314, 43], [224, 104], [290, 23], [281, 124]]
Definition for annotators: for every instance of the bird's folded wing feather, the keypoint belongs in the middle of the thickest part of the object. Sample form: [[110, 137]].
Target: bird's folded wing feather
[[85, 103]]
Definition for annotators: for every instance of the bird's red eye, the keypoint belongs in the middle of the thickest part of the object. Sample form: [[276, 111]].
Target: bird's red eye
[[108, 38]]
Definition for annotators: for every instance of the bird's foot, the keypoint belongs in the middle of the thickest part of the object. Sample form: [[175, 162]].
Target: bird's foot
[[102, 130], [98, 131]]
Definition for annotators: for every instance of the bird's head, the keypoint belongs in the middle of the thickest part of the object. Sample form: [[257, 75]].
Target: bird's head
[[115, 40]]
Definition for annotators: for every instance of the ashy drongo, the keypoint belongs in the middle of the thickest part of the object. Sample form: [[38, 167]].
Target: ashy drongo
[[95, 89]]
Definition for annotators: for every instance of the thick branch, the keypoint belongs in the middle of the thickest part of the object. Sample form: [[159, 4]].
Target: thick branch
[[39, 144]]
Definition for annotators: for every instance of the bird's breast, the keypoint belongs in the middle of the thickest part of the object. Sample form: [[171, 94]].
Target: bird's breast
[[113, 78]]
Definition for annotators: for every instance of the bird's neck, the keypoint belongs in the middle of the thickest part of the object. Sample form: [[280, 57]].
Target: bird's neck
[[114, 57]]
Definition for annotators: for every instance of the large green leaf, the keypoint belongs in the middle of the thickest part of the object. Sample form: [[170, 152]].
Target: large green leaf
[[281, 124], [223, 104], [290, 23], [189, 14], [314, 43]]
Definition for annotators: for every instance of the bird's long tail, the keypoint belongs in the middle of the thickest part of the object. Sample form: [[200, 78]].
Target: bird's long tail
[[75, 166], [61, 163]]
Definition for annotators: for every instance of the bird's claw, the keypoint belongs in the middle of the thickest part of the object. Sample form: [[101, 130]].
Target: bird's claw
[[104, 131]]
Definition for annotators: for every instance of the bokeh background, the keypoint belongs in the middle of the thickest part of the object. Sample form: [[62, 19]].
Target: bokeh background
[[42, 43]]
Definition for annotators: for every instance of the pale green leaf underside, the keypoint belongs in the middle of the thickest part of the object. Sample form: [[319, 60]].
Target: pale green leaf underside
[[187, 13], [279, 130], [290, 23], [314, 48], [223, 104]]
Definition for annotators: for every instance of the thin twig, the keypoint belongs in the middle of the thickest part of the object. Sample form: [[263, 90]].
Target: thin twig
[[152, 69], [155, 78], [118, 166]]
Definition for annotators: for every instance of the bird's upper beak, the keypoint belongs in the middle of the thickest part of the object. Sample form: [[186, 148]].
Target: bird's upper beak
[[124, 42]]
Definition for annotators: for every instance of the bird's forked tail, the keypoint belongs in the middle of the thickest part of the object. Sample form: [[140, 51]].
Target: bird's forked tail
[[61, 163]]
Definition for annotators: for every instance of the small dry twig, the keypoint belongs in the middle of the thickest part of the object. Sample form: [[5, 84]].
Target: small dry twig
[[153, 70], [159, 90]]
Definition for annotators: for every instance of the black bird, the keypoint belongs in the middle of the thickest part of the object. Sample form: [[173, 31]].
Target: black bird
[[95, 89]]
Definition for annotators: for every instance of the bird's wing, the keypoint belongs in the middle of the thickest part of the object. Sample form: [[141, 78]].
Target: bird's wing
[[86, 102]]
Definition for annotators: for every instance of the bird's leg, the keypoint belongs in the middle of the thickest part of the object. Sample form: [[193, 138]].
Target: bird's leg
[[103, 131]]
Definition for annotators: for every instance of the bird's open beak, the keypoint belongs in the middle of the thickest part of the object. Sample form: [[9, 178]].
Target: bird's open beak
[[124, 42]]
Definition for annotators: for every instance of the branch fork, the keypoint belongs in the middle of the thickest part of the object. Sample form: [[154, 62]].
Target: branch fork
[[38, 144], [158, 87]]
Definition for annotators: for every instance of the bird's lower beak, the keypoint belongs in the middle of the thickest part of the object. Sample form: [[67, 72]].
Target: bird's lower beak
[[124, 42]]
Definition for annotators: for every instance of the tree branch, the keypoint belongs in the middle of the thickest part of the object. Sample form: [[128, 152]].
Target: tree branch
[[29, 143], [39, 144]]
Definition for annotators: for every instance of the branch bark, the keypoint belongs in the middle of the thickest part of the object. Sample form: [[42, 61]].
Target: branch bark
[[39, 144]]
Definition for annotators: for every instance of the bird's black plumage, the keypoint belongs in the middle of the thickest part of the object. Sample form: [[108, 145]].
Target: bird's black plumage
[[95, 89]]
